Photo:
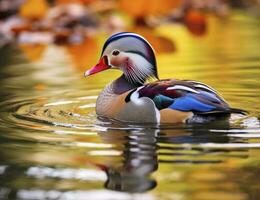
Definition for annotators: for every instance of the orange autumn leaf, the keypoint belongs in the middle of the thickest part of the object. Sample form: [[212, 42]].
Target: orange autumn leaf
[[143, 8], [21, 28], [33, 9], [196, 22], [74, 1]]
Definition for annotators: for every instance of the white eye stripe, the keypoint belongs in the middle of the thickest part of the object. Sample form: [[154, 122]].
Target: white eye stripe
[[181, 87]]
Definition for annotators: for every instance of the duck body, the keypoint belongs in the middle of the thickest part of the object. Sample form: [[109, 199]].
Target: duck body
[[130, 99], [164, 101]]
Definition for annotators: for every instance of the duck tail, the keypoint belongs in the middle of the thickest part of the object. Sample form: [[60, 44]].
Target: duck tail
[[238, 111]]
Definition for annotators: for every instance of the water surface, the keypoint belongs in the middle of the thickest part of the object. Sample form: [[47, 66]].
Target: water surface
[[52, 146]]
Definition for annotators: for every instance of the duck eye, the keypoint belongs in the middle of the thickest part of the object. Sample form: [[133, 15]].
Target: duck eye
[[115, 52]]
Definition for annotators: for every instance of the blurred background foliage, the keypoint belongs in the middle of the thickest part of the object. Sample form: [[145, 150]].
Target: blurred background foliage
[[78, 25]]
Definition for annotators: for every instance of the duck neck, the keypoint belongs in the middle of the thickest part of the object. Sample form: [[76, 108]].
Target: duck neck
[[122, 85]]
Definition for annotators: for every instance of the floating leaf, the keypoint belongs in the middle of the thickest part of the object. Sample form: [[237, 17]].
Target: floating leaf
[[196, 22]]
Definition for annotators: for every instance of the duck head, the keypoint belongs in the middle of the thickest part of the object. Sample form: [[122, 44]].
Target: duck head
[[130, 53]]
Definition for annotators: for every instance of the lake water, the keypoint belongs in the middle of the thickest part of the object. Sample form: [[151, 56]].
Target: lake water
[[52, 146]]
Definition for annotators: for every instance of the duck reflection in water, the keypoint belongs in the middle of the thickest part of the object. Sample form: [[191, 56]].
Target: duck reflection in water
[[143, 149], [139, 160]]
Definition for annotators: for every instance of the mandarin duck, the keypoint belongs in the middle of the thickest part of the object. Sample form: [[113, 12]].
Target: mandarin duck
[[130, 99]]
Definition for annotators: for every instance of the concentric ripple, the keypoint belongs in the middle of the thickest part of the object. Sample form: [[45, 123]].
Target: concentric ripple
[[75, 113]]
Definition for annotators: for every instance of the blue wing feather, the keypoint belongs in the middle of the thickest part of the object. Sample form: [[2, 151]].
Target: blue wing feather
[[190, 103]]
